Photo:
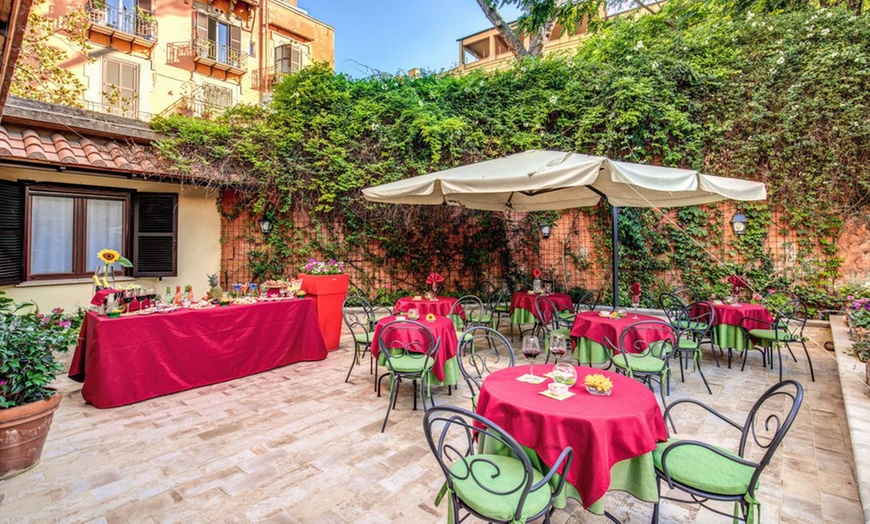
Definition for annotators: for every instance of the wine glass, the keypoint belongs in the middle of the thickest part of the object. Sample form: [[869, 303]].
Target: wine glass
[[139, 294], [151, 294], [127, 299], [253, 287], [237, 287], [245, 288], [635, 303], [558, 345], [531, 350]]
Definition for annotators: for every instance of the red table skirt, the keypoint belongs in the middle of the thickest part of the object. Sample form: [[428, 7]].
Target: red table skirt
[[442, 328], [129, 359], [441, 306], [606, 331], [602, 430], [526, 300], [733, 314]]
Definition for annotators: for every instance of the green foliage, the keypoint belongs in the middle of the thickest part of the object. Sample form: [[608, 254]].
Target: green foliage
[[28, 340], [778, 97]]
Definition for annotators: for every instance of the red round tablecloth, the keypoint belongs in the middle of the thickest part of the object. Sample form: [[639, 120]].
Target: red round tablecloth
[[732, 315], [440, 306], [526, 300], [602, 430], [442, 328], [591, 325]]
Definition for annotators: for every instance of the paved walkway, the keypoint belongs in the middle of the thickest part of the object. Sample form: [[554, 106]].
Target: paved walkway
[[297, 444]]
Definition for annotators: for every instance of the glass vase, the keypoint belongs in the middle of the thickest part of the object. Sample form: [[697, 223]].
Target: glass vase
[[564, 374]]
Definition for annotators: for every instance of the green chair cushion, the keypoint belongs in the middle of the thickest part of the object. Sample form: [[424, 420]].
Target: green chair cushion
[[693, 325], [567, 314], [773, 335], [410, 364], [510, 473], [502, 309], [687, 343], [476, 316], [363, 338], [639, 363], [702, 469]]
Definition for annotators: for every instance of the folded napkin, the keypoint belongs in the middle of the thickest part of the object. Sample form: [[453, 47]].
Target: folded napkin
[[635, 293], [737, 283], [100, 296]]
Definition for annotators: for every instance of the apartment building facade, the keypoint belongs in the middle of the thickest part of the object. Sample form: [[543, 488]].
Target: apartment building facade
[[150, 57]]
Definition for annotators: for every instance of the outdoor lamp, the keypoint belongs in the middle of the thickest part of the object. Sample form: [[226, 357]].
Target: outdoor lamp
[[265, 225], [738, 224], [546, 230]]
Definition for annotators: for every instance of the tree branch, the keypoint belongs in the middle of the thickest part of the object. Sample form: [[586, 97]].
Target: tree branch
[[510, 37]]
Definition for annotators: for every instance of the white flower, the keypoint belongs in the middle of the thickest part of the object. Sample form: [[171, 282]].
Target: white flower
[[750, 15], [655, 65], [810, 35], [830, 14], [780, 60], [835, 54], [639, 45], [420, 103], [554, 99], [825, 31]]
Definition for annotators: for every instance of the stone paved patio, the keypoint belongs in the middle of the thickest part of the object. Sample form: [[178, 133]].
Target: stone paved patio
[[297, 444]]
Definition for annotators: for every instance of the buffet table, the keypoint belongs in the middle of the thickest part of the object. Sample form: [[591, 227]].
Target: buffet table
[[612, 436], [129, 359]]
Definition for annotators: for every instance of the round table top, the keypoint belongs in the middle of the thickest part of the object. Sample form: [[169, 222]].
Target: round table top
[[732, 314], [439, 305], [443, 330], [607, 331], [602, 430], [526, 300]]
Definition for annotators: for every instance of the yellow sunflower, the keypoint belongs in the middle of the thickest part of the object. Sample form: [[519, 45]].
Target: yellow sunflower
[[109, 256]]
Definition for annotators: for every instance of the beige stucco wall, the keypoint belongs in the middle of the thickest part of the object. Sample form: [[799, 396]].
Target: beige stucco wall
[[199, 248]]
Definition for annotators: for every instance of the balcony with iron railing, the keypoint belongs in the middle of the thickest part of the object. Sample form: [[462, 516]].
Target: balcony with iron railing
[[264, 79], [209, 53], [132, 26]]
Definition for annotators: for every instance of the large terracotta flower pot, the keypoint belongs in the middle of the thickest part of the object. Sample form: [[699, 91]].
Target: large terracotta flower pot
[[328, 293], [22, 434]]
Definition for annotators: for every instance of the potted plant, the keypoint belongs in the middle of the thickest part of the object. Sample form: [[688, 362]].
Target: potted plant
[[28, 342], [326, 283]]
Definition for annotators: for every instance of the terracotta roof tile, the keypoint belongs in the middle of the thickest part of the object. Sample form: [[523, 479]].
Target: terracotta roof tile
[[5, 146], [33, 145], [65, 152]]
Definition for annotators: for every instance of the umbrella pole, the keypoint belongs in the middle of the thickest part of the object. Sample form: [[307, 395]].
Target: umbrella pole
[[615, 244]]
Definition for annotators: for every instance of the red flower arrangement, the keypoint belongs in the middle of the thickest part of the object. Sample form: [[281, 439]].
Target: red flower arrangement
[[536, 272], [635, 293]]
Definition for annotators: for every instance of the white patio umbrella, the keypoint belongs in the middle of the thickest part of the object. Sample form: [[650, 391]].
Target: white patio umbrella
[[550, 180]]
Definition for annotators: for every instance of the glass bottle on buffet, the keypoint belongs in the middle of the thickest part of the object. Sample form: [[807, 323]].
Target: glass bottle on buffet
[[177, 295], [167, 298], [190, 294]]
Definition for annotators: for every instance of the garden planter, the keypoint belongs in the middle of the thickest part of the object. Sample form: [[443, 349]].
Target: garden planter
[[23, 430], [328, 293]]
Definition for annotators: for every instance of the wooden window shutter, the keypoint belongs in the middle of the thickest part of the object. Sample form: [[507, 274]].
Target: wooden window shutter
[[235, 38], [201, 23], [155, 231], [295, 59], [11, 232], [144, 5]]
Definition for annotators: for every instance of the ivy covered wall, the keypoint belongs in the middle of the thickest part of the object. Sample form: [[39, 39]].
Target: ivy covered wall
[[780, 98]]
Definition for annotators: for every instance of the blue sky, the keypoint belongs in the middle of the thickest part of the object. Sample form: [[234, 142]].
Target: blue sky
[[393, 36]]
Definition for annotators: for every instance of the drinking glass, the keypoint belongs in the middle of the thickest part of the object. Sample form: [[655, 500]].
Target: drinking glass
[[635, 304], [151, 294], [237, 287], [558, 345], [253, 286], [127, 298], [531, 350]]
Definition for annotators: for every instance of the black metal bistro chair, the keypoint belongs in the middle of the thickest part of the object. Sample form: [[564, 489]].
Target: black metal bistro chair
[[482, 350], [502, 487], [709, 472]]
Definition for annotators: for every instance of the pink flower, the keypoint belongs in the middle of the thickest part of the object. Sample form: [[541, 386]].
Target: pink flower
[[57, 310], [850, 297], [389, 286]]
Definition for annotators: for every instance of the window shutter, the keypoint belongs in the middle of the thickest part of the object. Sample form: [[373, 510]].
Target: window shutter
[[201, 23], [144, 5], [236, 38], [295, 59], [155, 230], [11, 232]]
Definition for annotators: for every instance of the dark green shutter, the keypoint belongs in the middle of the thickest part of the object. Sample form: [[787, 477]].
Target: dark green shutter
[[11, 232], [155, 234]]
